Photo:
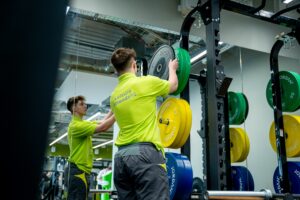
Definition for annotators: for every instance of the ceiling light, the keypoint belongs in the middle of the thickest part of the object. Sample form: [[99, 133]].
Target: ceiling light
[[67, 10], [99, 158], [102, 144], [65, 134], [200, 55], [287, 1]]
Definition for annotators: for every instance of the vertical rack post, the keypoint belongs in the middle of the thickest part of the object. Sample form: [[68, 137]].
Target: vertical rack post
[[217, 136], [278, 118]]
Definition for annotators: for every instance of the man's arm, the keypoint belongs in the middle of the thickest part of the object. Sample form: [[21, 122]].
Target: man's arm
[[105, 124], [173, 80], [108, 115]]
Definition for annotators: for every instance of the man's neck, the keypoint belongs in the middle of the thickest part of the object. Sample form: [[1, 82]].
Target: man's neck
[[127, 71], [78, 115]]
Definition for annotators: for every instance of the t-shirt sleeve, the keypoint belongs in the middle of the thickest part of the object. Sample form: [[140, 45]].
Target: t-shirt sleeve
[[157, 86], [84, 129]]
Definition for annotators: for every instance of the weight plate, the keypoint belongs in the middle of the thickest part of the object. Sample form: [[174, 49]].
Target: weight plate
[[187, 125], [290, 91], [247, 105], [246, 150], [180, 176], [242, 179], [239, 148], [183, 71], [294, 178], [180, 136], [198, 185], [292, 135], [158, 65], [169, 120], [237, 108]]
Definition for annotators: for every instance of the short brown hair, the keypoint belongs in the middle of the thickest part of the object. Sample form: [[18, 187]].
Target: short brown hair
[[73, 101], [121, 57]]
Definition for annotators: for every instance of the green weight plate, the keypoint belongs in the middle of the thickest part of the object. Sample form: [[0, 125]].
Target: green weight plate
[[244, 108], [247, 105], [237, 107], [290, 91], [183, 71]]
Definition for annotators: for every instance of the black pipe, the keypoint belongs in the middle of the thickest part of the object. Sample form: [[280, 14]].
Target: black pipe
[[285, 11]]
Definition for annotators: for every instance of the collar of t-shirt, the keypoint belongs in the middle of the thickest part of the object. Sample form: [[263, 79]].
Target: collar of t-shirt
[[126, 76]]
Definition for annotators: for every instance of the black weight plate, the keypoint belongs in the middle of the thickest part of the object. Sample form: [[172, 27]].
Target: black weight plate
[[198, 185], [158, 65]]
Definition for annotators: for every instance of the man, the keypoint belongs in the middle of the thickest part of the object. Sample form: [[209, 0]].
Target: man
[[139, 167], [80, 143]]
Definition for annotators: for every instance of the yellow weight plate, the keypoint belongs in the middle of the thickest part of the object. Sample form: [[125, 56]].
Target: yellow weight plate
[[177, 142], [292, 141], [188, 123], [247, 142], [181, 107], [169, 119], [238, 144]]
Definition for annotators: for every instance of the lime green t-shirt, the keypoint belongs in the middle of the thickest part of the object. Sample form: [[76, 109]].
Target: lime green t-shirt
[[133, 103], [80, 142]]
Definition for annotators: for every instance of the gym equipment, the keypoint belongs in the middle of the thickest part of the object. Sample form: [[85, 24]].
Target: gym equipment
[[180, 175], [107, 184], [294, 177], [198, 187], [290, 91], [238, 107], [183, 71], [292, 135], [246, 195], [242, 179], [158, 65], [174, 121], [187, 125], [239, 145]]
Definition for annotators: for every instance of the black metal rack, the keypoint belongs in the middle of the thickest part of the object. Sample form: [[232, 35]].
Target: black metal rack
[[214, 89], [277, 108], [214, 85]]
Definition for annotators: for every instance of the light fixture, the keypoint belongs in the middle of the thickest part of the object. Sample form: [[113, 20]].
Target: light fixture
[[287, 1], [65, 134], [202, 54], [99, 158], [102, 144], [67, 10]]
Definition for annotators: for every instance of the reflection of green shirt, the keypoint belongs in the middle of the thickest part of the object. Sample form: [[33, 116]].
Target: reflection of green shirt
[[80, 143], [134, 104]]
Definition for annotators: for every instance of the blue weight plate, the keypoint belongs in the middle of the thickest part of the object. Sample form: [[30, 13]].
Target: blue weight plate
[[174, 166], [186, 180], [180, 176], [242, 179], [294, 178]]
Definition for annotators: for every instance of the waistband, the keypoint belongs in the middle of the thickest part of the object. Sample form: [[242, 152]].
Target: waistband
[[150, 144], [75, 167]]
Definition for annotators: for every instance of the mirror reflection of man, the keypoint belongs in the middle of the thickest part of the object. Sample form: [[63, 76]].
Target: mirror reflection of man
[[80, 133]]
